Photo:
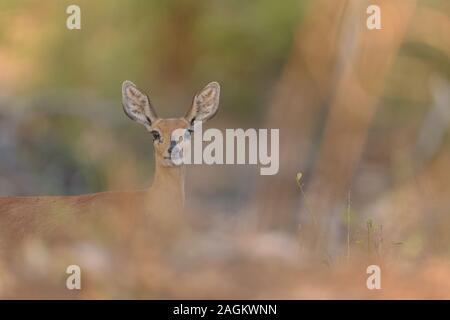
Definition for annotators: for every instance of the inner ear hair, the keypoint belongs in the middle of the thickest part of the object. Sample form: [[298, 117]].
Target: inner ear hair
[[137, 104], [205, 103]]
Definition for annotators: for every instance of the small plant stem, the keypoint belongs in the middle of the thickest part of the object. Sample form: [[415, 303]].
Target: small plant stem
[[369, 230], [308, 208], [348, 223]]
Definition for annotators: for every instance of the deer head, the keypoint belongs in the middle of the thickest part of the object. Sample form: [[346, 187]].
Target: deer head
[[137, 106]]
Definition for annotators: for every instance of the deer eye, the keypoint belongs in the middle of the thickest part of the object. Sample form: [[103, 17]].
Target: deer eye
[[156, 135]]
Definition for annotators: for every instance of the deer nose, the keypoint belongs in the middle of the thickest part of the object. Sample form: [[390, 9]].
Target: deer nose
[[173, 143]]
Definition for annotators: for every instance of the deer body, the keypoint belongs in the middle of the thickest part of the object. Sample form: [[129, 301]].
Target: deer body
[[161, 204]]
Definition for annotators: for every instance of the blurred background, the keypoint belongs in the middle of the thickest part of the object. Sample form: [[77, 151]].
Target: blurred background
[[363, 115]]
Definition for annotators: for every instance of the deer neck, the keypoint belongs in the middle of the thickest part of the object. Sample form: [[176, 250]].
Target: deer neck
[[168, 185]]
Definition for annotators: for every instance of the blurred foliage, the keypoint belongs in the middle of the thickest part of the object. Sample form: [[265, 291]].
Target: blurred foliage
[[163, 46]]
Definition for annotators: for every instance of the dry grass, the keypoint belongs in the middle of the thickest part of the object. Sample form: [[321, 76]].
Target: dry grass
[[214, 261]]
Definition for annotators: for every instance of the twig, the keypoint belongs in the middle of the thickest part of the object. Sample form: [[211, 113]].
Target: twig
[[348, 223], [307, 206]]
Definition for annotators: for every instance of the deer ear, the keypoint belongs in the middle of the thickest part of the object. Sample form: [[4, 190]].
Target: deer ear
[[205, 103], [136, 104]]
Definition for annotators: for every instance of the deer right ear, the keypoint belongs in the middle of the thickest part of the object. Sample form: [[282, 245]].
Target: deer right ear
[[136, 105], [205, 104]]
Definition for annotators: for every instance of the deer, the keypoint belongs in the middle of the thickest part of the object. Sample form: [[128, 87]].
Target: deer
[[162, 202]]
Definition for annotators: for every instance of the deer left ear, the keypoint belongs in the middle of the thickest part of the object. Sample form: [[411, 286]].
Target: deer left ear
[[136, 104], [205, 103]]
